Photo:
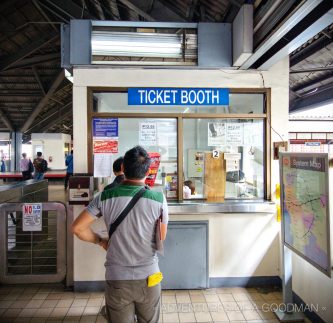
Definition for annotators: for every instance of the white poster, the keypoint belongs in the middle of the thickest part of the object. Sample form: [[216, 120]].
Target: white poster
[[147, 134], [216, 133], [103, 165], [32, 217], [235, 134], [167, 133]]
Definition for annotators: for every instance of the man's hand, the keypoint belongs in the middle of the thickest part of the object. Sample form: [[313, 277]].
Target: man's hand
[[103, 243]]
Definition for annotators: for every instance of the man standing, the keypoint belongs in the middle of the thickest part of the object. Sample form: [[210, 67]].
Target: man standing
[[69, 171], [26, 169], [131, 259], [40, 165], [118, 172]]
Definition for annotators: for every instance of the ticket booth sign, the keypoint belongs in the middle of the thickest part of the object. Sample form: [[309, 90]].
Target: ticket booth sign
[[32, 217]]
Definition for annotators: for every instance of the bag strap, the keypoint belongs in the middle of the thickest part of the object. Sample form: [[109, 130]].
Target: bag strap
[[126, 210]]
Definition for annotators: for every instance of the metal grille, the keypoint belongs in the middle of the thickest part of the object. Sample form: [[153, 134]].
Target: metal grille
[[30, 252], [32, 256]]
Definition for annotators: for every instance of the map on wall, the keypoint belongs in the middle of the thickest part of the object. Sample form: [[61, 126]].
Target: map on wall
[[305, 207]]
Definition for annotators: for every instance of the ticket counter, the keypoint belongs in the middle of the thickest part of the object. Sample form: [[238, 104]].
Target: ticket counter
[[224, 149]]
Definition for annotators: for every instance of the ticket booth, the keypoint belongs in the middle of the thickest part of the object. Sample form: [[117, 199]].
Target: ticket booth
[[213, 131]]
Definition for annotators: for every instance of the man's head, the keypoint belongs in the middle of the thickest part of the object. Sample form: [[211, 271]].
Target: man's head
[[136, 163], [39, 154], [24, 155], [117, 166]]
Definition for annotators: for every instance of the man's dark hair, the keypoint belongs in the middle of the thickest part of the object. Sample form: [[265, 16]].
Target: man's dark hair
[[39, 154], [136, 163], [117, 164]]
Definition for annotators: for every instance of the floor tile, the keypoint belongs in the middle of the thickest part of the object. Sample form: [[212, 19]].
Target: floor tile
[[65, 303], [59, 312], [91, 310], [43, 312], [170, 317], [186, 317], [235, 316], [80, 302], [227, 297], [203, 317], [219, 316], [75, 311]]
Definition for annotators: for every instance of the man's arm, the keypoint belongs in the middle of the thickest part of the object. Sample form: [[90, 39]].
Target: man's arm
[[81, 228]]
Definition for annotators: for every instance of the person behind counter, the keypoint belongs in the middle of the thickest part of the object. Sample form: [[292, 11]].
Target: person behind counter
[[117, 170], [188, 189], [131, 260]]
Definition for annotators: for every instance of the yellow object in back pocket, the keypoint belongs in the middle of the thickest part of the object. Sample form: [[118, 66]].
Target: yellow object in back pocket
[[155, 279]]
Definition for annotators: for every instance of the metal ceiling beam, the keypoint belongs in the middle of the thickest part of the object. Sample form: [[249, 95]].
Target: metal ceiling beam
[[71, 9], [28, 50], [140, 12], [34, 69], [309, 50], [43, 13], [49, 115], [114, 9], [310, 70], [99, 9], [303, 37], [291, 22], [58, 80], [34, 61], [313, 82], [54, 122], [322, 96], [191, 9], [6, 121]]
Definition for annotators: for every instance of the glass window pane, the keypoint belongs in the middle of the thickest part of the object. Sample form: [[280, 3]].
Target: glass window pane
[[159, 137], [238, 169], [238, 103]]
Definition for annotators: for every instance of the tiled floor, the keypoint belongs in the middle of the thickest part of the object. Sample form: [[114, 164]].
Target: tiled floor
[[51, 303]]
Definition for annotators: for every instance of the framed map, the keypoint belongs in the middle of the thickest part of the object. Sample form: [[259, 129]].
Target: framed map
[[305, 210]]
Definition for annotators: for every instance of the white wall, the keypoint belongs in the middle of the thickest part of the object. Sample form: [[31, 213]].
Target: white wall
[[248, 245], [52, 146]]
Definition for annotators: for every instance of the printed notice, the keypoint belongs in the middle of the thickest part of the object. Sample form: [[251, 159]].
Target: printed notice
[[216, 133], [148, 134], [234, 134], [105, 146], [32, 217], [103, 165]]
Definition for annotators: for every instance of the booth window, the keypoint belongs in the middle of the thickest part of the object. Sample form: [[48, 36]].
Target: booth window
[[207, 153], [235, 171]]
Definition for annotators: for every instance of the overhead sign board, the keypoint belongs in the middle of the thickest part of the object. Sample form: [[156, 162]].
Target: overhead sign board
[[178, 96]]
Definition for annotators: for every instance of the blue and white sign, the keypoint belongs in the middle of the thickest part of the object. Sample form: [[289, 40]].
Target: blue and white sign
[[105, 127], [178, 96]]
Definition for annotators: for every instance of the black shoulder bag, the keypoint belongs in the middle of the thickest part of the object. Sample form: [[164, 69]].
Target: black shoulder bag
[[126, 210]]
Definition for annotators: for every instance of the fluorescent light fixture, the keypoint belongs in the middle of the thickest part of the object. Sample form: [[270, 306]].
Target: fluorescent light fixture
[[105, 43]]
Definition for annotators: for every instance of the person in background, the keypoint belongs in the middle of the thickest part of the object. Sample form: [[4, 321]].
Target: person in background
[[25, 167], [191, 186], [131, 259], [69, 172], [117, 170], [40, 165]]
